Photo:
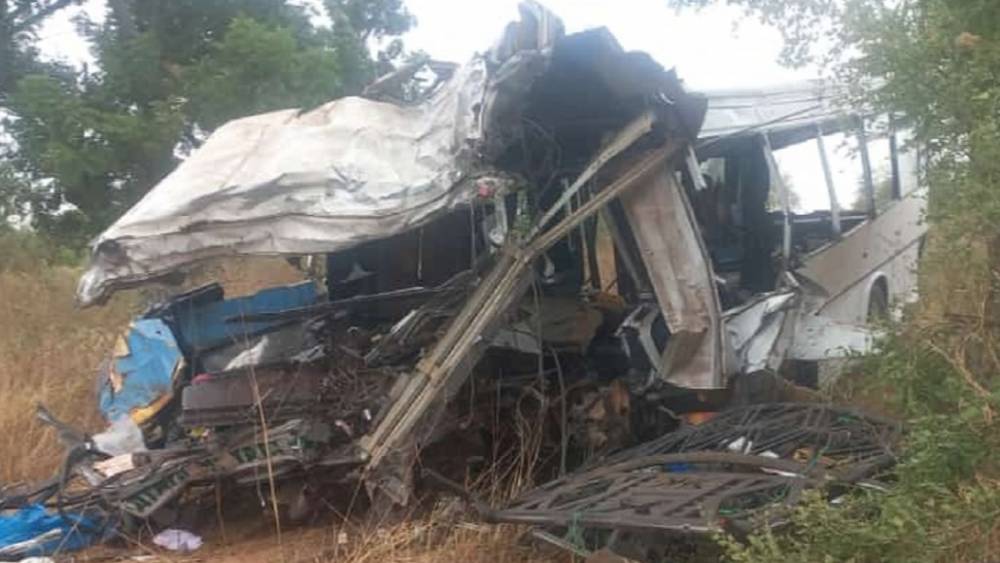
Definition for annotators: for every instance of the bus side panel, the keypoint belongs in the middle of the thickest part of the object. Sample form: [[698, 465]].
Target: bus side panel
[[886, 246]]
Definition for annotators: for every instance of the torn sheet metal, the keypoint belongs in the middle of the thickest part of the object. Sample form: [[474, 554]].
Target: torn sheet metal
[[298, 183], [779, 326], [788, 113], [818, 337], [680, 271], [760, 331], [356, 170], [141, 375], [347, 172]]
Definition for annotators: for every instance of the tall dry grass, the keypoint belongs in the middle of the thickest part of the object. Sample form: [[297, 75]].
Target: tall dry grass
[[50, 350], [49, 354]]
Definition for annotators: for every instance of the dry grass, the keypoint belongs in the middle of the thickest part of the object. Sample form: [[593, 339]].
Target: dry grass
[[50, 350], [417, 541], [49, 354], [429, 541]]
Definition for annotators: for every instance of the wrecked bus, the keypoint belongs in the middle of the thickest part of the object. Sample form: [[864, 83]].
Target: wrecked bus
[[539, 225], [862, 257]]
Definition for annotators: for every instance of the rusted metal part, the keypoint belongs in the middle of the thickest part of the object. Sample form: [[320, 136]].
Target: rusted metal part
[[152, 479], [698, 492], [850, 444], [740, 470]]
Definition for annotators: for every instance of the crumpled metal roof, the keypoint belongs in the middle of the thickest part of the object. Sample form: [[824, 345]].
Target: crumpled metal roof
[[788, 113], [292, 182], [355, 169]]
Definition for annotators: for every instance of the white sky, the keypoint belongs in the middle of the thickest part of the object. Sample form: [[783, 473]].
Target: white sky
[[714, 48]]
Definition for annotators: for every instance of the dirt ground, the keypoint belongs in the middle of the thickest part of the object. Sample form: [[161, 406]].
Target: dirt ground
[[412, 542]]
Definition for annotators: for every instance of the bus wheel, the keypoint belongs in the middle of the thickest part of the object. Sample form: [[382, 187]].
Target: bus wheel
[[878, 302]]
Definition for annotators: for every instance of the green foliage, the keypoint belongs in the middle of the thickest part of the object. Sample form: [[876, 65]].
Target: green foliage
[[18, 21], [98, 158], [370, 18], [28, 252], [255, 69], [945, 501], [92, 143], [13, 190]]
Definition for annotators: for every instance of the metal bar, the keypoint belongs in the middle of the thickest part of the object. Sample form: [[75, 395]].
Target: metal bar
[[694, 170], [786, 232], [897, 188], [330, 306], [830, 189], [622, 250], [866, 166], [715, 140], [625, 138], [652, 161], [560, 543]]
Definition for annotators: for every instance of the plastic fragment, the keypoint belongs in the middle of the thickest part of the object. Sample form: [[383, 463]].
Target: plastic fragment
[[177, 540]]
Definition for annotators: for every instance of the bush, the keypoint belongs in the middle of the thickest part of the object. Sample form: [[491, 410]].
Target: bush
[[945, 502], [27, 252]]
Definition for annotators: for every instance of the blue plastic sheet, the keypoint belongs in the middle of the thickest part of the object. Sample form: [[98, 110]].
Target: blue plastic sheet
[[76, 531], [147, 371]]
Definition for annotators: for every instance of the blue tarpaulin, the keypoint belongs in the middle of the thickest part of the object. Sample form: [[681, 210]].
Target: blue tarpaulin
[[70, 533], [154, 347], [146, 371]]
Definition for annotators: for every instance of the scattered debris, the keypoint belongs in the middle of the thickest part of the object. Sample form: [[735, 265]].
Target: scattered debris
[[34, 531], [177, 540], [849, 444], [730, 473]]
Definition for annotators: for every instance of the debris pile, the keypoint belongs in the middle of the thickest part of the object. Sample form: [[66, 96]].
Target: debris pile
[[732, 474]]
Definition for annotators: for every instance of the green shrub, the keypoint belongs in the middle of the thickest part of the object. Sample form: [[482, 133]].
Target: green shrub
[[28, 252], [944, 503]]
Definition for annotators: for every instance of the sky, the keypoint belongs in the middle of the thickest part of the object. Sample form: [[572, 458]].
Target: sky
[[714, 48]]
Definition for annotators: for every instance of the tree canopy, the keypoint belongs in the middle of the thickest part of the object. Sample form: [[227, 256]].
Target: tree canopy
[[92, 141]]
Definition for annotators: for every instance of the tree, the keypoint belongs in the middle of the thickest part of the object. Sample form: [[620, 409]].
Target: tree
[[12, 190], [774, 195], [18, 21], [882, 191], [168, 71], [256, 68]]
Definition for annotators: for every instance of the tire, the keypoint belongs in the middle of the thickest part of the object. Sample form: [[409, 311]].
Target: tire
[[878, 303]]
